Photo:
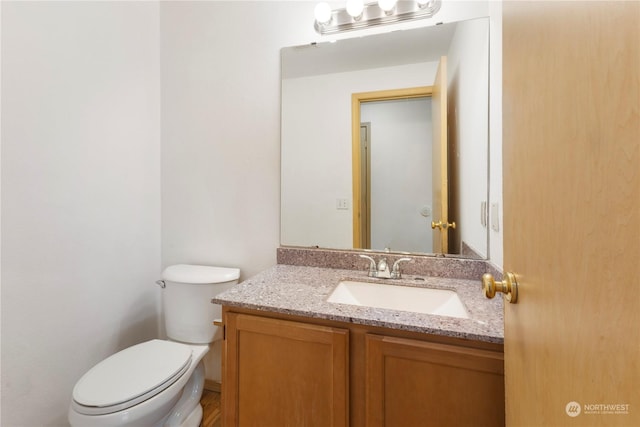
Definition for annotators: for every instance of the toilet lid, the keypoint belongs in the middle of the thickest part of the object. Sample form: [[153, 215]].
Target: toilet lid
[[131, 376]]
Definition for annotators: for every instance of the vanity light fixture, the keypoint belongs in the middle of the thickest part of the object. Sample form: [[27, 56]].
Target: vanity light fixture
[[357, 14]]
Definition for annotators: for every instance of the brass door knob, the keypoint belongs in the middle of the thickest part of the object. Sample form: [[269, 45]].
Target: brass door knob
[[509, 287], [443, 225]]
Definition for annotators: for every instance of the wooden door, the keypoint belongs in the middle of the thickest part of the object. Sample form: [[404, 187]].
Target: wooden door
[[440, 210], [411, 383], [281, 373], [571, 171]]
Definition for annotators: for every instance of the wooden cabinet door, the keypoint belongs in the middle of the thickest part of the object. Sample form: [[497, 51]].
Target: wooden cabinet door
[[414, 383], [281, 373]]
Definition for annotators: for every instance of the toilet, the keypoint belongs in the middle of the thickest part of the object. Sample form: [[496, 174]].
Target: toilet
[[159, 382]]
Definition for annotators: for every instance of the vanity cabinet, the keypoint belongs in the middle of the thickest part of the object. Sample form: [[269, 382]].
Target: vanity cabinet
[[283, 370], [418, 383], [284, 373]]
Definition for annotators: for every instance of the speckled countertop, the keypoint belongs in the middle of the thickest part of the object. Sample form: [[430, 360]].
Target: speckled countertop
[[303, 291]]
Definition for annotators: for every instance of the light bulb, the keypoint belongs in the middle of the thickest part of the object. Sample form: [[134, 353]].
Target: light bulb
[[322, 13], [387, 5], [355, 8]]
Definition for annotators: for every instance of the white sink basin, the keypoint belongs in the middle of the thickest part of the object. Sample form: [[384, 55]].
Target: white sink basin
[[441, 302]]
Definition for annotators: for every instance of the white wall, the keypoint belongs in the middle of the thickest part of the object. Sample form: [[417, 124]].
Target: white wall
[[220, 130], [80, 195]]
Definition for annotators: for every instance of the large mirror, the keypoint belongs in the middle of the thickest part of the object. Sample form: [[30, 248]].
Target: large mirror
[[385, 141]]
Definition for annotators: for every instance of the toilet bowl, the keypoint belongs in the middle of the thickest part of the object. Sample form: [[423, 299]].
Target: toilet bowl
[[158, 382]]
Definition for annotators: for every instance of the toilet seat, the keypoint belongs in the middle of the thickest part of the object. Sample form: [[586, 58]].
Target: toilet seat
[[131, 376]]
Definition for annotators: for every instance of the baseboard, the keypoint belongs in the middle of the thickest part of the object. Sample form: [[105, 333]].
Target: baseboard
[[211, 385]]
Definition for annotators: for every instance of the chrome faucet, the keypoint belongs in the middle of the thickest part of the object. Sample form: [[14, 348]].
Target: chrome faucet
[[381, 270]]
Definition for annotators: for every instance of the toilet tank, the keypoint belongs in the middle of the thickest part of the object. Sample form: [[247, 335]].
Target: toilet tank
[[188, 311]]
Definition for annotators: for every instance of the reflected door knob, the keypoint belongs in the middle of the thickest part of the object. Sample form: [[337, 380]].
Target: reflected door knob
[[509, 287], [443, 225]]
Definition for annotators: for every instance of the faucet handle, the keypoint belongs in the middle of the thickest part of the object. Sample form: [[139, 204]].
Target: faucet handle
[[372, 265], [395, 271]]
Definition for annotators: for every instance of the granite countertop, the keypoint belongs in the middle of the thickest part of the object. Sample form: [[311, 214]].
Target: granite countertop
[[303, 291]]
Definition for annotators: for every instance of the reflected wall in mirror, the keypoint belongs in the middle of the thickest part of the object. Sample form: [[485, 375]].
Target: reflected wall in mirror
[[319, 82]]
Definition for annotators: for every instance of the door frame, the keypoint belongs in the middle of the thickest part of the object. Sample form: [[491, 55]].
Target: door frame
[[356, 100]]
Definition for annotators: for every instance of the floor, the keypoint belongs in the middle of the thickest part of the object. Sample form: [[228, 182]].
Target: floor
[[211, 407]]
